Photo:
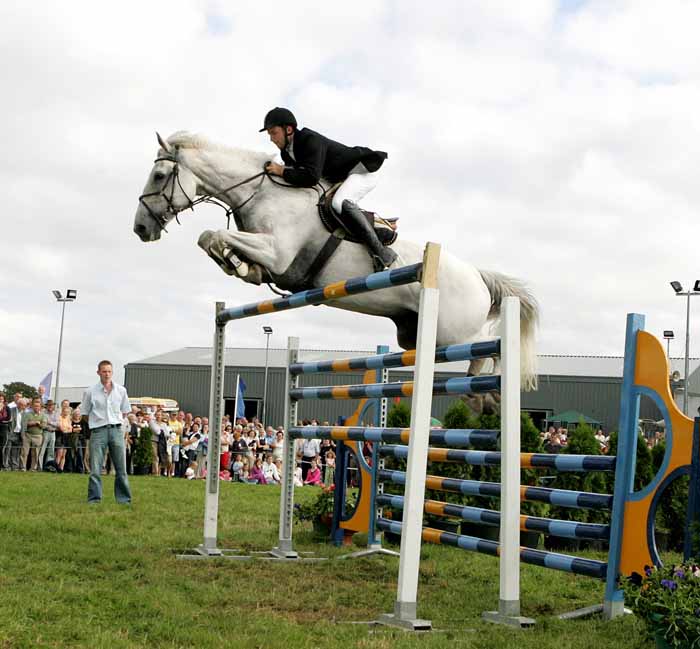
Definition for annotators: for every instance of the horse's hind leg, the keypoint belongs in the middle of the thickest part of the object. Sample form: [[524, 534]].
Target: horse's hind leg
[[406, 329]]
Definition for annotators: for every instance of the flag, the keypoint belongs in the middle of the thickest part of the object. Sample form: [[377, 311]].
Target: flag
[[240, 405], [46, 383]]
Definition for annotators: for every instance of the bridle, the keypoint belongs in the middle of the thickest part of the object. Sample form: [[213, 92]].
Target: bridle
[[167, 192]]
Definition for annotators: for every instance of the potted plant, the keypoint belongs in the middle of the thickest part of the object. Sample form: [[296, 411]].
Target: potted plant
[[668, 600], [320, 510]]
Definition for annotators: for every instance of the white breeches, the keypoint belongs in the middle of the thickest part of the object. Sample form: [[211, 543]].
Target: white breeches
[[357, 185]]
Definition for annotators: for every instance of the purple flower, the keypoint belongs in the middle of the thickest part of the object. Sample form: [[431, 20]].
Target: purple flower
[[647, 571], [679, 573], [669, 583]]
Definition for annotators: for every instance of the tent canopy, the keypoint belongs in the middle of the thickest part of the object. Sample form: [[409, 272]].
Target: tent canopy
[[569, 417]]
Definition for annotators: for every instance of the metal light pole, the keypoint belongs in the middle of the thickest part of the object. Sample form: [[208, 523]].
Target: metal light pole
[[267, 331], [71, 295], [668, 337], [679, 291]]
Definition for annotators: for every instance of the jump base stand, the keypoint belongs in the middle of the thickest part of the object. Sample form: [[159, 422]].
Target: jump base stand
[[404, 617], [508, 614]]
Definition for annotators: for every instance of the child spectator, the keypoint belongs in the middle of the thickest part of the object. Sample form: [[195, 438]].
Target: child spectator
[[278, 466], [297, 476], [329, 473], [313, 477], [245, 472], [270, 471], [256, 473], [236, 468]]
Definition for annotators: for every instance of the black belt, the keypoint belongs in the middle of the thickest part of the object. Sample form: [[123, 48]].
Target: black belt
[[107, 426]]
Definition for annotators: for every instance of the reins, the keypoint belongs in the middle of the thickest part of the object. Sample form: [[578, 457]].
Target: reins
[[212, 199]]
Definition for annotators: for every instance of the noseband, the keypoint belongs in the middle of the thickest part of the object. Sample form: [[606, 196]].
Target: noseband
[[174, 177]]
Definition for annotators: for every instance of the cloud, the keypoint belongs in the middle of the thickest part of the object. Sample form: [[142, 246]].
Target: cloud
[[554, 141]]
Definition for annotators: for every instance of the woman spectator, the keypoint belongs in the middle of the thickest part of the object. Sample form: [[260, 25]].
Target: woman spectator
[[252, 442], [73, 443], [64, 429], [176, 426], [159, 440], [263, 446], [189, 444], [226, 439], [256, 473], [4, 425], [313, 477], [278, 445]]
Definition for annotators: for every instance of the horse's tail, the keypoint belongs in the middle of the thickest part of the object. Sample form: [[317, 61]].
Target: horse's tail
[[501, 286]]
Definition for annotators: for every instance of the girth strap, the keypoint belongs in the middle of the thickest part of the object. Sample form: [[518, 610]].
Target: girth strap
[[304, 268]]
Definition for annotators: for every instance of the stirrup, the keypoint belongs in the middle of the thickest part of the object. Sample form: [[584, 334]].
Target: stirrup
[[379, 264]]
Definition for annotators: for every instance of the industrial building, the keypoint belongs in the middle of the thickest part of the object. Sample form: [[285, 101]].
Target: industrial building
[[587, 384]]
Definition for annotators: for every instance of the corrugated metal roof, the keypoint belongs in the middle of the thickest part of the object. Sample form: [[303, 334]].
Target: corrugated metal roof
[[547, 364], [244, 356]]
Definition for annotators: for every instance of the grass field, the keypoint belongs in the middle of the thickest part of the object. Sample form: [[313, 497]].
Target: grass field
[[74, 575]]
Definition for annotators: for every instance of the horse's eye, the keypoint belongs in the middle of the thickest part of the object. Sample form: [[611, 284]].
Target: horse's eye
[[158, 176]]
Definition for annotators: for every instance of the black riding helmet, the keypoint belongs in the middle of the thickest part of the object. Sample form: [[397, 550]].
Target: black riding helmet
[[279, 117]]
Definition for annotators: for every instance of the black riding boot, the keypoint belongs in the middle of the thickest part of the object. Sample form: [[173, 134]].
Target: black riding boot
[[382, 257]]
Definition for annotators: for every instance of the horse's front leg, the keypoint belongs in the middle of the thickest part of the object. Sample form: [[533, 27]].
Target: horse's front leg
[[226, 248]]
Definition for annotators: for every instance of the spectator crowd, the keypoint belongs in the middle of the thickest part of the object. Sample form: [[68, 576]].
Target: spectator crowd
[[37, 435]]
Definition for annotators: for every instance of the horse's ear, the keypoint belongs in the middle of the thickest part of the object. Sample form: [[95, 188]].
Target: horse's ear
[[163, 144]]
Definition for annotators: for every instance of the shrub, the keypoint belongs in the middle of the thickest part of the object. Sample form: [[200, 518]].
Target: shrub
[[399, 416], [143, 449]]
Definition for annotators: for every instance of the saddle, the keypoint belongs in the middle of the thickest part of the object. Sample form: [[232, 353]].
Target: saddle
[[333, 222]]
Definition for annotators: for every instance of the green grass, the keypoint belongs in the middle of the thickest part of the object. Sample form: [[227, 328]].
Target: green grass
[[73, 575]]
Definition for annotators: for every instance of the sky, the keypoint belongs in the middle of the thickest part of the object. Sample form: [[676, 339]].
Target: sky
[[557, 142]]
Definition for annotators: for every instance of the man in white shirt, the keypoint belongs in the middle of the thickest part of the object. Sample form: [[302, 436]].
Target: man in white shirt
[[310, 448], [104, 407]]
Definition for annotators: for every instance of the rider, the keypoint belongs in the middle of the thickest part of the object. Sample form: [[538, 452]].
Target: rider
[[309, 156]]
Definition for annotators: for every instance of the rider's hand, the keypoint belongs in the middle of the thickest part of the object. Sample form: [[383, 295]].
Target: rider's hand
[[274, 169]]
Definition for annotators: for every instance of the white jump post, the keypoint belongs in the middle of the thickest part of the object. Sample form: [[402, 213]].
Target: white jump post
[[508, 612], [285, 547], [405, 607], [211, 500]]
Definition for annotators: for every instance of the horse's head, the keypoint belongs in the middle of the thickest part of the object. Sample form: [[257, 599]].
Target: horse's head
[[170, 188]]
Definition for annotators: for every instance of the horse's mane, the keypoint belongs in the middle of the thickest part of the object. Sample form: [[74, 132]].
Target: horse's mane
[[187, 140]]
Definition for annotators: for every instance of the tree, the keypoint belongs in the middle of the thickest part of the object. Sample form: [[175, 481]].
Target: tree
[[10, 389]]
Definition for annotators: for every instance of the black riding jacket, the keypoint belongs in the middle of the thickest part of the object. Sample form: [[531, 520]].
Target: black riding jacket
[[316, 157]]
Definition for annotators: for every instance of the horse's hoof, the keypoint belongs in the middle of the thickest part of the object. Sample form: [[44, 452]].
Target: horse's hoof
[[204, 241]]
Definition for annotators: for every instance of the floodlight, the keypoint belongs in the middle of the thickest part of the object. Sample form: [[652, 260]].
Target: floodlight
[[676, 287], [668, 334], [57, 294], [71, 294], [696, 287], [267, 330]]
